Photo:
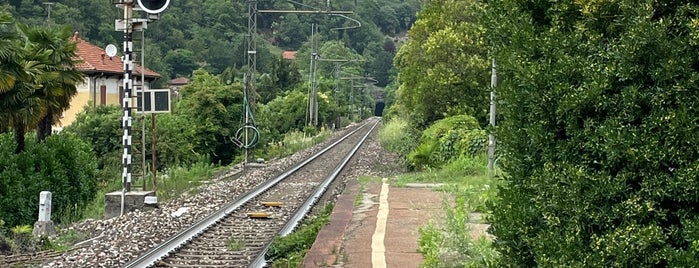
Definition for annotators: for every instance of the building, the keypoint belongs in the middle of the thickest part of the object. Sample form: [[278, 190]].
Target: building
[[289, 55], [175, 85], [103, 83]]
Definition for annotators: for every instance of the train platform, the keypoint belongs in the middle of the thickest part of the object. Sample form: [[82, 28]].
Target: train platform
[[380, 231]]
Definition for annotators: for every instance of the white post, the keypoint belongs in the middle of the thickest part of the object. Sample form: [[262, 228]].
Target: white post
[[45, 206], [44, 226]]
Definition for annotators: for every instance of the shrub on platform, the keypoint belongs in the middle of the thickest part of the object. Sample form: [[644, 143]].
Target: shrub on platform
[[600, 104], [447, 140]]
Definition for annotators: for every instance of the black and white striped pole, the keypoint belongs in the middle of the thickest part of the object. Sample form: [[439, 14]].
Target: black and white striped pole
[[151, 7], [126, 120]]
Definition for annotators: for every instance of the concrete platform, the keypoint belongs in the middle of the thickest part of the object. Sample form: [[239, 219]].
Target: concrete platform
[[352, 240], [132, 201]]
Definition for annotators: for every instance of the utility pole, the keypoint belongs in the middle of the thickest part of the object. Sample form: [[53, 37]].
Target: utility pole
[[48, 18], [312, 112], [313, 86], [250, 75], [491, 135]]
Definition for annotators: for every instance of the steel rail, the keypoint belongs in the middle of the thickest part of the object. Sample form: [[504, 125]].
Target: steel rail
[[302, 211], [176, 241]]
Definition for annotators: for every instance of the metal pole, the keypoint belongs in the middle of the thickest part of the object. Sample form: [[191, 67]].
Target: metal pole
[[491, 135], [126, 101], [143, 114], [351, 99], [250, 75], [315, 83], [312, 119], [154, 154]]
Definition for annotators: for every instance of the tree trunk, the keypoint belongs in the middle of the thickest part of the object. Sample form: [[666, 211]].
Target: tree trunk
[[44, 129], [19, 138]]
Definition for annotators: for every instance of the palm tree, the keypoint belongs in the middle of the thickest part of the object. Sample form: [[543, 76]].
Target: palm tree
[[15, 103], [60, 75], [10, 69]]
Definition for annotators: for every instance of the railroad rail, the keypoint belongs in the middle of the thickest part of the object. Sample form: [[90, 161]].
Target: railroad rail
[[240, 233], [27, 259]]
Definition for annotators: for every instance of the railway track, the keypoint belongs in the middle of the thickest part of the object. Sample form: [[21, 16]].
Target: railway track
[[238, 234], [27, 259]]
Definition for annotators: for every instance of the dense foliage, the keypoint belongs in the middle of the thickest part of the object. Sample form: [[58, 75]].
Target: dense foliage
[[443, 67], [215, 111], [599, 137], [63, 164], [447, 140]]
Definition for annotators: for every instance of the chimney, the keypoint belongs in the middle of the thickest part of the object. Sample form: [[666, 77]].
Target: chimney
[[75, 36], [102, 56]]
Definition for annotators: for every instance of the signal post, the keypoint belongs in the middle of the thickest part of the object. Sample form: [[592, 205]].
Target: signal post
[[130, 200]]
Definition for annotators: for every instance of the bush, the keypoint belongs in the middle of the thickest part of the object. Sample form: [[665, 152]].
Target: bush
[[64, 165], [447, 140], [397, 136], [600, 133]]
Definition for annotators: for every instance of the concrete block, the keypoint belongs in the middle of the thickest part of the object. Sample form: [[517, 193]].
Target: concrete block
[[44, 228], [132, 201]]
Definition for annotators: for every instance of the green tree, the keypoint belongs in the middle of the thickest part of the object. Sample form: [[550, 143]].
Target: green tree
[[99, 126], [60, 71], [63, 164], [23, 73], [217, 109], [600, 121], [11, 68], [443, 68], [183, 62], [285, 113]]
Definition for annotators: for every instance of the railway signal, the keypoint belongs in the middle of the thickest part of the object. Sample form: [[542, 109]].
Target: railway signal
[[153, 6], [127, 25]]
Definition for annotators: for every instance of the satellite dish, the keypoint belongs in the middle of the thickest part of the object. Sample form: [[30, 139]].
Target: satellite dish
[[111, 50]]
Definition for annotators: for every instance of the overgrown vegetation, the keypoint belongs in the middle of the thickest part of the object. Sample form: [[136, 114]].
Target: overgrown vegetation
[[600, 121], [447, 241], [450, 152], [294, 142], [63, 164], [288, 251]]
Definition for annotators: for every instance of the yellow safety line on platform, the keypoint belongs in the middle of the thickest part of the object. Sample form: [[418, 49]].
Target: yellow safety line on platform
[[378, 250]]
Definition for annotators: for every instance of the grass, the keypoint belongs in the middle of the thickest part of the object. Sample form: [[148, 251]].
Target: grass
[[177, 181], [294, 142], [234, 244], [288, 251], [363, 180], [447, 242], [64, 240]]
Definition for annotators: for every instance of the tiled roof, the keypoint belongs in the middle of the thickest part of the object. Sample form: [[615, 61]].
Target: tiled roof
[[289, 55], [179, 81], [94, 60]]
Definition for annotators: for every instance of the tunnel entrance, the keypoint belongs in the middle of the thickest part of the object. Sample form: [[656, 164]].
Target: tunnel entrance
[[378, 109]]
